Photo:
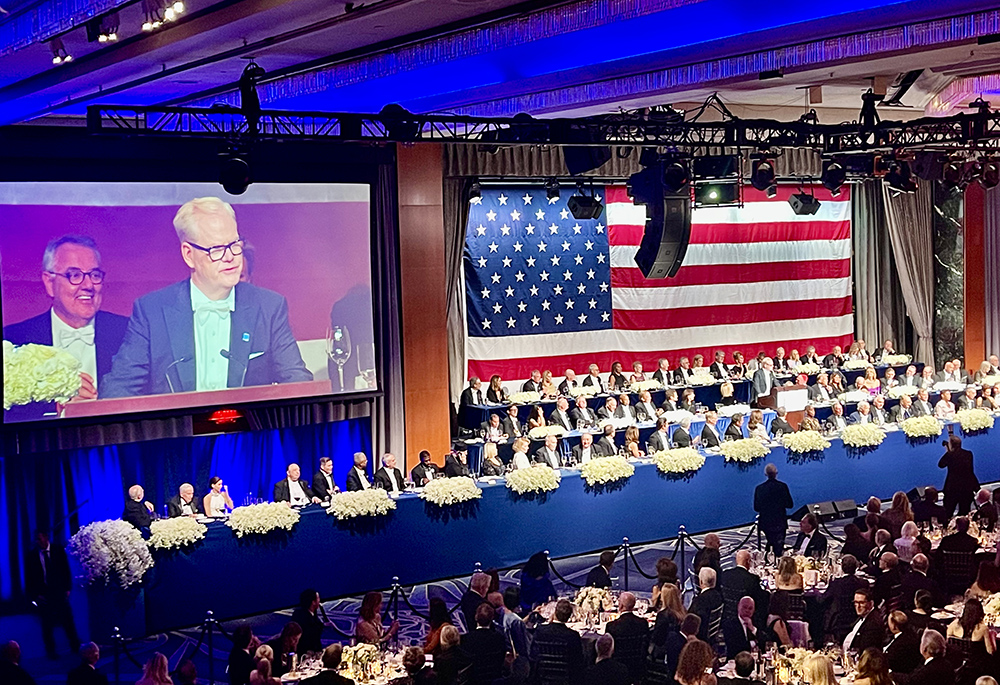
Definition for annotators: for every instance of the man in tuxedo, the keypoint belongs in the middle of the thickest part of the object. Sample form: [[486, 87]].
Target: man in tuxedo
[[902, 411], [48, 582], [810, 542], [862, 414], [659, 440], [837, 420], [926, 508], [184, 503], [607, 670], [710, 433], [879, 414], [936, 670], [922, 406], [533, 384], [888, 582], [600, 575], [739, 580], [241, 661], [771, 501], [669, 400], [683, 373], [868, 631], [485, 647], [357, 477], [887, 348], [883, 546], [961, 483], [821, 392], [582, 416], [625, 409], [556, 636], [11, 672], [138, 512], [708, 599], [511, 424], [586, 450], [294, 490], [332, 656], [86, 673], [492, 430], [646, 410], [834, 359], [840, 590], [744, 668], [569, 382], [903, 649], [780, 363], [810, 357], [740, 632], [948, 374], [606, 445], [628, 627], [594, 379], [682, 434], [73, 279], [306, 614], [662, 374], [389, 477], [609, 410], [764, 379], [718, 367], [960, 540], [560, 416], [424, 472], [456, 464], [549, 453], [910, 377], [673, 643], [967, 400], [474, 393], [780, 425], [917, 580], [474, 597], [986, 513], [322, 484], [210, 331]]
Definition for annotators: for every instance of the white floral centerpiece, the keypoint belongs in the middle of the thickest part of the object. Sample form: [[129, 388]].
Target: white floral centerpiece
[[974, 419], [111, 548], [541, 432], [260, 519], [676, 416], [852, 364], [921, 427], [370, 502], [989, 380], [175, 533], [594, 600], [617, 424], [804, 442], [808, 368], [583, 391], [853, 396], [525, 397], [862, 435], [447, 491], [650, 385], [896, 359], [537, 479], [360, 661], [38, 373], [731, 409], [804, 563], [679, 460], [701, 379], [604, 470], [745, 451], [992, 609], [900, 390], [953, 386]]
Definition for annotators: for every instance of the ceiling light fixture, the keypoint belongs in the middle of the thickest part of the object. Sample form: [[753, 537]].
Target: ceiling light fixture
[[59, 53], [833, 177], [762, 177], [900, 179]]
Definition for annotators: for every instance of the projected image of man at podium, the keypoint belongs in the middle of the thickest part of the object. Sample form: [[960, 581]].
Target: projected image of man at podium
[[211, 331]]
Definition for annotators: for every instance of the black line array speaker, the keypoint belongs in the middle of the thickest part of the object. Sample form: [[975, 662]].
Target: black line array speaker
[[665, 239]]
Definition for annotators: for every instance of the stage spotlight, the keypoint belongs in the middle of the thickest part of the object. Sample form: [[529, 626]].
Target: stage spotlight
[[833, 177], [989, 176], [552, 189], [953, 174], [711, 194], [234, 174], [803, 204], [583, 206], [762, 177], [648, 157], [59, 53], [675, 175], [899, 179], [475, 191]]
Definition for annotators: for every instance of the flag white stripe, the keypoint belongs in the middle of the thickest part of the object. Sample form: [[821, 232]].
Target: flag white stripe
[[730, 293], [714, 254], [583, 342], [623, 213]]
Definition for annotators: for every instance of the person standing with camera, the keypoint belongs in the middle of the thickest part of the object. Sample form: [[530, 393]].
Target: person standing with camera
[[960, 483]]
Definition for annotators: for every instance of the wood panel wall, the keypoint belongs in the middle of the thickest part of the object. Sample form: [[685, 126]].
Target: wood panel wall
[[975, 276]]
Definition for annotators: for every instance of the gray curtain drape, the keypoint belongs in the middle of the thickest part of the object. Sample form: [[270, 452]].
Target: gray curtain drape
[[456, 216], [908, 217], [878, 299]]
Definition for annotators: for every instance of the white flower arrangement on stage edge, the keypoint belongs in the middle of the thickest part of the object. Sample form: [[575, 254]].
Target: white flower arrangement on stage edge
[[260, 519], [583, 391], [807, 368], [853, 396], [852, 364], [862, 435], [679, 460], [370, 502], [731, 409], [676, 416], [900, 390], [175, 533], [111, 548], [619, 424], [38, 373], [989, 380], [701, 379], [974, 420], [445, 491], [649, 385], [745, 451], [896, 359], [594, 600], [804, 442], [541, 432], [921, 427], [527, 397], [538, 479], [604, 470]]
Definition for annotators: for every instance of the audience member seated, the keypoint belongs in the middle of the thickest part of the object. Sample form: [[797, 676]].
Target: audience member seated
[[86, 673], [155, 672], [513, 627], [451, 663], [11, 672], [710, 433], [306, 615], [937, 670], [456, 464], [331, 662], [285, 644], [888, 582], [607, 444], [600, 575], [479, 587], [944, 409], [709, 555], [659, 440], [520, 459], [734, 431], [960, 540], [917, 580], [907, 545], [669, 618], [818, 670], [682, 434], [536, 417], [740, 633], [780, 425], [873, 668], [184, 503], [838, 599], [709, 599], [473, 394], [536, 588], [417, 670], [606, 671], [557, 644], [756, 427], [295, 491], [628, 630], [837, 420], [491, 429], [921, 614], [778, 615], [632, 443], [854, 544], [369, 628], [809, 542], [389, 477], [926, 508], [869, 630], [883, 545], [694, 667], [492, 464], [138, 512], [558, 417], [424, 472], [786, 576], [437, 618], [548, 454], [903, 651], [985, 514], [743, 666], [217, 501], [673, 645], [971, 627], [323, 485], [263, 663], [616, 379]]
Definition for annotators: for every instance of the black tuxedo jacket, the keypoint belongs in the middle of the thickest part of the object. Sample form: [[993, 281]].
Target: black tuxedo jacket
[[921, 408], [419, 472], [780, 424], [453, 467], [607, 672], [744, 584], [668, 405], [383, 479], [903, 652], [607, 446], [961, 479], [327, 677], [884, 584], [559, 636], [598, 577], [85, 674], [964, 402], [320, 488], [663, 377], [136, 514], [109, 330], [816, 393], [564, 419], [709, 438], [603, 413], [733, 432], [703, 604], [353, 481], [658, 441], [591, 380], [541, 457], [681, 376], [681, 437], [871, 634], [486, 649], [595, 452], [511, 427], [281, 493], [531, 386], [719, 370], [471, 396], [816, 546], [834, 422], [938, 671], [645, 413], [174, 506], [958, 542], [771, 500], [623, 411], [57, 581], [832, 361], [585, 415], [736, 638], [566, 386]]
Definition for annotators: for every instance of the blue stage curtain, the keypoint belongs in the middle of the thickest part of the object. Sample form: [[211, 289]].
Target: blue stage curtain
[[68, 489]]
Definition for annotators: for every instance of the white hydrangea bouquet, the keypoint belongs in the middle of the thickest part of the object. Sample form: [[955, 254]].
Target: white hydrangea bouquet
[[594, 600], [528, 397], [974, 420], [38, 373], [701, 379], [989, 380], [360, 661], [676, 416], [992, 608], [618, 424], [175, 533], [649, 385], [900, 390], [731, 409], [896, 359], [583, 391], [111, 548], [807, 368], [854, 396], [862, 435], [447, 491], [852, 364], [921, 427], [260, 519], [370, 502], [537, 479], [679, 460], [606, 470], [541, 432], [744, 451], [804, 442]]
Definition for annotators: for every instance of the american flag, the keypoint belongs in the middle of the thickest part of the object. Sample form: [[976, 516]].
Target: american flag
[[547, 291]]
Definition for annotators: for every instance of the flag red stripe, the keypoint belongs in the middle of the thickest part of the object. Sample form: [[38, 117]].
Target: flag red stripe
[[709, 274], [750, 194], [513, 369], [723, 315], [710, 234]]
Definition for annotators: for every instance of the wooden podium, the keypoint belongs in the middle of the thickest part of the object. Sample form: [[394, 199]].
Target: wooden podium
[[793, 398]]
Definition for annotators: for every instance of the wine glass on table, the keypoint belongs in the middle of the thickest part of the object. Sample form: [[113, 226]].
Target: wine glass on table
[[338, 348]]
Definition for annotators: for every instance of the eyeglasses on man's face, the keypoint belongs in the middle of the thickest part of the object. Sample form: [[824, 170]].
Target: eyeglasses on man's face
[[217, 252], [75, 276]]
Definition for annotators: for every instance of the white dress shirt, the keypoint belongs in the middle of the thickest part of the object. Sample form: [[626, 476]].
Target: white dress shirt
[[520, 461], [585, 454], [551, 458], [363, 477], [79, 342], [296, 495], [805, 543], [212, 325], [854, 632]]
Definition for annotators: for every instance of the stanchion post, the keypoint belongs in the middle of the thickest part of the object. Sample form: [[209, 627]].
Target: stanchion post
[[625, 547], [210, 626], [116, 638], [478, 568], [757, 523], [681, 532]]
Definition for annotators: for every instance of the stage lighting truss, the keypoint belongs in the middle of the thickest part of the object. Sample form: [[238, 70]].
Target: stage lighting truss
[[156, 13]]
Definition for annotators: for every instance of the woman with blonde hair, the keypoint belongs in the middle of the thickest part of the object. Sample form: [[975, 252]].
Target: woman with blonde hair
[[549, 388], [872, 384], [156, 671], [906, 545], [520, 459], [632, 442], [787, 576], [726, 390], [985, 369], [637, 375], [899, 513], [817, 669], [794, 359], [756, 427], [873, 668], [262, 674]]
